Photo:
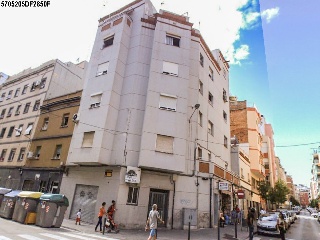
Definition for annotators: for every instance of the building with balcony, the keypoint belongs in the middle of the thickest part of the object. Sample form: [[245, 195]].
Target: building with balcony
[[21, 99], [153, 122]]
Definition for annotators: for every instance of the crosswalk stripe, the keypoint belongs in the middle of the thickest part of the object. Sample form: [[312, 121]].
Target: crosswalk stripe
[[54, 236], [4, 238], [29, 237], [76, 236], [100, 237]]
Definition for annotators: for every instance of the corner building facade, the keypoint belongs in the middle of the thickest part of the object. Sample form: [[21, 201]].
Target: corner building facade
[[153, 123]]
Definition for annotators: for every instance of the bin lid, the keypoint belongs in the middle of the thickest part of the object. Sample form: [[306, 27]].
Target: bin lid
[[30, 194], [13, 193], [57, 198], [5, 190]]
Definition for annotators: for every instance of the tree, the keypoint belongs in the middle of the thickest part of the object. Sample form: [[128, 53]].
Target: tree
[[264, 188], [314, 203], [294, 201], [278, 194]]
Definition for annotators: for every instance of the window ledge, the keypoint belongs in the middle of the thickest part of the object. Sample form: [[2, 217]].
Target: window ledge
[[132, 204], [164, 152]]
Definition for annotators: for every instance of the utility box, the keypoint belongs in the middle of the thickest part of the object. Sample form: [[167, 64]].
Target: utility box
[[27, 202], [190, 215]]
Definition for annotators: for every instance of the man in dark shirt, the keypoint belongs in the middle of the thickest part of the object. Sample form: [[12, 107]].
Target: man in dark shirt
[[250, 219]]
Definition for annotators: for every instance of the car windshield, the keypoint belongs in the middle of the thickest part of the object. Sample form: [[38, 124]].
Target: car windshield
[[268, 217]]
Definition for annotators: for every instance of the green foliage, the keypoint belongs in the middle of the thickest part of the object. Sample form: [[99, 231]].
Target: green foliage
[[264, 188], [294, 201], [278, 194], [314, 203]]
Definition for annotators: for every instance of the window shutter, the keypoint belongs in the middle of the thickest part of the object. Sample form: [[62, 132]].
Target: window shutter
[[164, 144], [28, 130], [87, 139], [102, 68], [170, 68], [167, 102]]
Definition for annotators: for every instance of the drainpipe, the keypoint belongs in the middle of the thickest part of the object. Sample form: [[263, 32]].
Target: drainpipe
[[174, 194], [210, 206]]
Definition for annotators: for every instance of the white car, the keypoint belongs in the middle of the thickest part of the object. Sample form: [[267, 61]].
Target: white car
[[314, 214], [267, 223]]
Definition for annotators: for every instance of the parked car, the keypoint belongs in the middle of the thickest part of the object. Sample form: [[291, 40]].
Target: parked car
[[267, 224], [314, 214], [294, 215], [286, 220]]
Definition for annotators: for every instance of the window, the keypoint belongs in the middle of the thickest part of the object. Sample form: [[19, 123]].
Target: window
[[43, 186], [65, 120], [54, 188], [45, 124], [210, 98], [225, 141], [3, 95], [88, 139], [95, 100], [10, 112], [19, 130], [29, 128], [57, 152], [34, 85], [241, 172], [248, 177], [28, 185], [225, 116], [102, 68], [43, 82], [17, 92], [11, 155], [24, 90], [210, 73], [168, 102], [3, 112], [210, 128], [36, 105], [173, 41], [18, 110], [164, 144], [9, 94], [209, 157], [170, 68], [3, 155], [200, 118], [200, 87], [133, 195], [10, 131], [26, 108], [37, 152], [3, 131], [201, 60], [22, 154], [224, 96], [108, 41], [199, 153]]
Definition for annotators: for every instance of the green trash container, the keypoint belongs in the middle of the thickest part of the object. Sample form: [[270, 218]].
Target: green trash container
[[3, 191], [8, 203], [51, 209], [27, 201]]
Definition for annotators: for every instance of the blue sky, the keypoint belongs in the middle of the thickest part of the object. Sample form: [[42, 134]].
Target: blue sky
[[273, 54]]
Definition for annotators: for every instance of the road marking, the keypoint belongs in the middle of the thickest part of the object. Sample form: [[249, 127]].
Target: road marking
[[100, 237], [25, 236], [4, 238], [54, 236], [76, 236]]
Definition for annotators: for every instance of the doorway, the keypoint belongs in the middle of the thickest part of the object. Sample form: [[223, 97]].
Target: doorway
[[161, 198]]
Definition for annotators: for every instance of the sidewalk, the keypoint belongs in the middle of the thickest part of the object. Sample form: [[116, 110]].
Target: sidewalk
[[163, 234]]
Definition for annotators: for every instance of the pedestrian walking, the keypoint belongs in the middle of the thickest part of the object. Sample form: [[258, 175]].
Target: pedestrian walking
[[102, 212], [78, 217], [281, 226], [250, 219], [233, 216], [152, 222]]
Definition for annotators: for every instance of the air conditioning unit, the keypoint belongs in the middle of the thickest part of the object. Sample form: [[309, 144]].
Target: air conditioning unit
[[30, 155], [75, 118]]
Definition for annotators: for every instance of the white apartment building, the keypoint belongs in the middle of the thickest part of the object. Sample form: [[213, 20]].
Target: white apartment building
[[21, 97], [153, 124]]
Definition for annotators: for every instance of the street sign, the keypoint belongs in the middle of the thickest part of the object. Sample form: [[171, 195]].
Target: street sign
[[240, 194], [223, 186]]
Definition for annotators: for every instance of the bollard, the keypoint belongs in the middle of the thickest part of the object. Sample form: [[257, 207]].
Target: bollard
[[189, 231], [219, 229], [104, 225], [235, 229]]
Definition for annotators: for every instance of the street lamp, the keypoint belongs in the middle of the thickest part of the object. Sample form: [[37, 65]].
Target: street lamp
[[195, 108]]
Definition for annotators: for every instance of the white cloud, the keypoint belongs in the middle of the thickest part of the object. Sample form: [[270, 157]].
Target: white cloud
[[269, 14]]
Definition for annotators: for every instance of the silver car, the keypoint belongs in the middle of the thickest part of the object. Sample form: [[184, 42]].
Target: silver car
[[267, 224]]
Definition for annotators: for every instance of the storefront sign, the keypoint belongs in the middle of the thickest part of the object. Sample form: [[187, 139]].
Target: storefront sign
[[223, 186]]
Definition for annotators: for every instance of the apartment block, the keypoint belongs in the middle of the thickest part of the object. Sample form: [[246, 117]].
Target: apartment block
[[153, 123], [22, 97]]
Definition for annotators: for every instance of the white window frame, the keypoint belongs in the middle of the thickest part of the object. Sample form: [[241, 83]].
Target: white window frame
[[102, 69], [170, 68], [28, 129], [95, 100], [172, 40], [167, 147], [168, 102]]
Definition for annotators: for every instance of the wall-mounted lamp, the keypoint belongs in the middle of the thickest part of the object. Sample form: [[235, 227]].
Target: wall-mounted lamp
[[108, 173], [195, 108], [20, 171]]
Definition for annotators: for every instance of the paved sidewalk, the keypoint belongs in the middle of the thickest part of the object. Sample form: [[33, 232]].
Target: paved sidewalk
[[163, 234]]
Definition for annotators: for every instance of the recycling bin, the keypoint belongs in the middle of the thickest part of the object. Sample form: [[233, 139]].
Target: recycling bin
[[8, 203], [51, 210], [27, 202], [3, 191]]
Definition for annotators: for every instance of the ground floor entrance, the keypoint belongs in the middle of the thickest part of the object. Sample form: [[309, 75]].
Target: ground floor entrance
[[161, 198]]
